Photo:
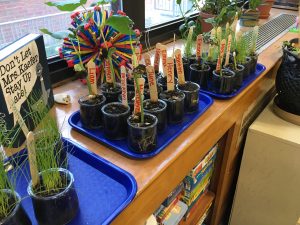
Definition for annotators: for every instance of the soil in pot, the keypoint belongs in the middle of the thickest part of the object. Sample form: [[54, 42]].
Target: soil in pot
[[200, 74], [60, 203], [90, 110], [162, 81], [17, 214], [239, 72], [175, 105], [158, 109], [191, 100], [224, 84], [142, 137], [130, 99], [110, 92], [115, 116]]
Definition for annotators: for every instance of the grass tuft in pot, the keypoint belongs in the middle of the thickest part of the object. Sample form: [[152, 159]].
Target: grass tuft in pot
[[253, 55], [242, 52]]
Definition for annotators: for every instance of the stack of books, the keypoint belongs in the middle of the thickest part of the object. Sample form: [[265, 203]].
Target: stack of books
[[197, 181]]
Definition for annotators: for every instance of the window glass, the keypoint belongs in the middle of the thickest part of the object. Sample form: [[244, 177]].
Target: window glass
[[18, 18], [163, 11]]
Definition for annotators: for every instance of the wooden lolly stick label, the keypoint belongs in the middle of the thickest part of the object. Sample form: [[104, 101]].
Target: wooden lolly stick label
[[234, 23], [138, 54], [221, 55], [190, 34], [147, 59], [179, 66], [213, 33], [170, 74], [163, 51], [152, 83], [157, 57], [219, 33], [32, 159], [124, 86], [210, 51], [137, 100], [107, 70], [228, 50], [199, 45], [92, 76], [134, 60], [227, 28]]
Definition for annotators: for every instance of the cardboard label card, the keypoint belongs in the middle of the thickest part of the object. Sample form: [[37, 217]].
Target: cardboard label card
[[179, 66], [157, 57], [170, 74], [124, 86], [228, 50], [199, 45], [107, 70], [92, 76], [147, 59], [137, 100], [221, 55], [152, 83], [163, 51]]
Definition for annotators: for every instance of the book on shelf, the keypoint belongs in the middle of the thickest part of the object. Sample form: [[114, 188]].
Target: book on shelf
[[164, 211], [173, 195], [24, 83], [176, 214]]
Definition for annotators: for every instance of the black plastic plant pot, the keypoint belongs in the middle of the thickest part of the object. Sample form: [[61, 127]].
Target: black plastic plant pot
[[162, 81], [130, 84], [115, 116], [239, 74], [224, 84], [90, 110], [253, 63], [59, 207], [186, 68], [212, 66], [175, 105], [191, 92], [158, 109], [200, 74], [110, 92], [142, 138], [247, 66], [17, 215], [130, 99]]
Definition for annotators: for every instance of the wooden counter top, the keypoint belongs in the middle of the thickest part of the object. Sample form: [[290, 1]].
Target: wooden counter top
[[157, 177]]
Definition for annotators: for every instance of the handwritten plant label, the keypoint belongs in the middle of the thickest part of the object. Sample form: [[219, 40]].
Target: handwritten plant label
[[138, 54], [18, 75], [157, 57], [152, 83], [221, 55], [210, 51], [199, 45], [179, 66], [170, 74], [190, 34], [137, 100], [235, 21], [219, 34], [124, 86], [107, 70], [92, 76], [147, 59], [228, 50], [134, 60], [163, 51]]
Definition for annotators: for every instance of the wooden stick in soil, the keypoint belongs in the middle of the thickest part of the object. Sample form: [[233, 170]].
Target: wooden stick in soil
[[139, 93], [228, 50], [199, 46], [157, 57], [32, 159], [152, 83], [221, 55], [92, 77], [170, 74], [124, 85], [179, 67], [163, 51], [112, 72], [174, 42], [234, 23], [147, 59], [107, 70]]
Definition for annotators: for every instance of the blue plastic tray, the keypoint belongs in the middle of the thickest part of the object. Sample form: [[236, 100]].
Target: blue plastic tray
[[164, 139], [103, 189], [259, 69]]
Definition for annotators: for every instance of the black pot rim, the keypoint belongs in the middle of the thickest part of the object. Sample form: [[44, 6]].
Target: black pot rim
[[179, 91], [17, 206], [146, 127], [114, 115], [118, 85], [238, 65], [197, 87], [196, 64], [62, 170], [161, 109], [86, 96]]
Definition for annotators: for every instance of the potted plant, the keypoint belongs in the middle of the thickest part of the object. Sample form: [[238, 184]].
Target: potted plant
[[142, 127], [154, 105], [264, 8], [252, 54], [11, 209], [241, 54], [238, 69], [250, 13]]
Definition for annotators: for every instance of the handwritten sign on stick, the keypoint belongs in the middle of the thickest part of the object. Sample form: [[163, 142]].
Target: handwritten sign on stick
[[152, 83], [170, 74]]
